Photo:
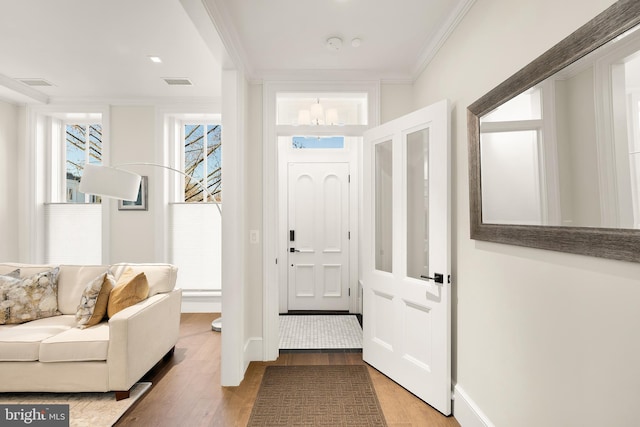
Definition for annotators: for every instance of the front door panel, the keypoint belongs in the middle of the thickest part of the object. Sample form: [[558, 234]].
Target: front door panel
[[318, 210], [406, 253]]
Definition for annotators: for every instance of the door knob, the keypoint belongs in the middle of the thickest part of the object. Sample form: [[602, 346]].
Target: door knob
[[294, 250]]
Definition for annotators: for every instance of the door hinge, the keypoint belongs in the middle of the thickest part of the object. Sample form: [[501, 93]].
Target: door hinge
[[349, 178], [348, 235], [349, 291], [276, 260]]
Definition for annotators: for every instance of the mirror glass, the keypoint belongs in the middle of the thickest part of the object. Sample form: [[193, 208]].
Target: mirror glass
[[566, 151]]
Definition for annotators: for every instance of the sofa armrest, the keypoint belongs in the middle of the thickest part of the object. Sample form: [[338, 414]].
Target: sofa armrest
[[140, 335]]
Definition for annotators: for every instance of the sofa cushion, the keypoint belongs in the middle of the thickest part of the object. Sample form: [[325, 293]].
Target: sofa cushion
[[161, 277], [29, 298], [93, 303], [71, 283], [22, 342], [75, 345], [130, 289]]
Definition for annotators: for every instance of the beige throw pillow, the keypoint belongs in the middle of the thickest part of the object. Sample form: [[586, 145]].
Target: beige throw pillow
[[94, 300], [15, 274], [130, 289], [30, 298]]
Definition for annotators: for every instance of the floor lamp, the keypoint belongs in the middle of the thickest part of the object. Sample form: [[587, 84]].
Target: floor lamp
[[116, 183]]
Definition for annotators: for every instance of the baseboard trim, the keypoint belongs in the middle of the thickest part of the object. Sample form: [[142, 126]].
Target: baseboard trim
[[466, 412], [201, 302], [252, 351]]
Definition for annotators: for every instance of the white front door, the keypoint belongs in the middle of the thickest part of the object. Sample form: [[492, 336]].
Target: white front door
[[406, 253], [318, 218]]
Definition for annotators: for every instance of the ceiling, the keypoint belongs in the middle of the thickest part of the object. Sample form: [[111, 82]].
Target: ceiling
[[287, 38], [92, 50]]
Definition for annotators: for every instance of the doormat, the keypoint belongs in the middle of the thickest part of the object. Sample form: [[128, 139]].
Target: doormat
[[320, 332], [339, 395], [85, 409]]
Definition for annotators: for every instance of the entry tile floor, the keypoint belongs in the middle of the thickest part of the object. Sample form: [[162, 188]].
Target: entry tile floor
[[320, 332]]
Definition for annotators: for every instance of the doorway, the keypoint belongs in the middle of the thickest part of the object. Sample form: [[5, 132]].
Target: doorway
[[356, 107], [318, 224]]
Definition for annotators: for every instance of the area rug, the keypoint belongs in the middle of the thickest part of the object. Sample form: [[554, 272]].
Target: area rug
[[316, 396], [320, 332], [85, 409]]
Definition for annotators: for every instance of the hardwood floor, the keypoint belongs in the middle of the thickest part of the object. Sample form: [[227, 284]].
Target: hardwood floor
[[186, 389]]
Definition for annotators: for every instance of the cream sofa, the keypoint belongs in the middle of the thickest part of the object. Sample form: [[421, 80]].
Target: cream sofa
[[54, 355]]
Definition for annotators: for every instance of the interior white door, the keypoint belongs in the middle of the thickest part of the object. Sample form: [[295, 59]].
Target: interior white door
[[318, 216], [406, 253]]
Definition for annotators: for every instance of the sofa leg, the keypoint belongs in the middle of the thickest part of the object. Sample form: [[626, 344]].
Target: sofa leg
[[169, 354], [122, 395]]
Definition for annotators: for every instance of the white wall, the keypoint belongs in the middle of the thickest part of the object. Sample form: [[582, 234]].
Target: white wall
[[395, 100], [9, 125], [253, 212], [132, 236], [540, 338]]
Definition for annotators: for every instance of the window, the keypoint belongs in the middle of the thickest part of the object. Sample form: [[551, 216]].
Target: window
[[195, 243], [317, 142], [72, 220], [207, 172], [83, 144]]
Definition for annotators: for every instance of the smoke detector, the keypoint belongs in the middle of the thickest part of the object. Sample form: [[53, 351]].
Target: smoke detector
[[334, 43]]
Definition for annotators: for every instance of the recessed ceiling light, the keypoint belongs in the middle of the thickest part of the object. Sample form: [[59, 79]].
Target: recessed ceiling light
[[155, 59], [356, 42]]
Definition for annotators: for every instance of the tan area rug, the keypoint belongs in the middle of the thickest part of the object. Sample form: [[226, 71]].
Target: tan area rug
[[85, 409], [316, 396]]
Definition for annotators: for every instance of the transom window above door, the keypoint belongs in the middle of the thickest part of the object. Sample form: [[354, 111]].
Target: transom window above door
[[317, 142], [322, 109]]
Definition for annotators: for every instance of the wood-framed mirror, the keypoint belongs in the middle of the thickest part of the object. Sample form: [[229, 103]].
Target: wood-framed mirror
[[554, 151]]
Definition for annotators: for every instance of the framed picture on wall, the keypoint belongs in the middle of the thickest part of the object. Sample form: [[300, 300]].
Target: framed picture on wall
[[140, 204]]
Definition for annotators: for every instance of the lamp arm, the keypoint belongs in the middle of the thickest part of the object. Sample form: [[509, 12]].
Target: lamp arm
[[198, 183]]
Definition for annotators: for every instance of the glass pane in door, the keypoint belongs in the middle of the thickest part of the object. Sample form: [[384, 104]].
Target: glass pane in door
[[383, 206], [418, 203]]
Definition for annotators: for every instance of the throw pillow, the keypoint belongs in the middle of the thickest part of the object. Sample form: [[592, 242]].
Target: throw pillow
[[30, 298], [15, 274], [130, 289], [94, 300]]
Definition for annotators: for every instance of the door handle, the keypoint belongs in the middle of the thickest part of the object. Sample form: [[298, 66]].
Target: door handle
[[437, 277], [294, 250]]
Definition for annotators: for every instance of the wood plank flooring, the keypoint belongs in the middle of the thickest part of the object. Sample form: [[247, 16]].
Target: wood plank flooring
[[186, 389]]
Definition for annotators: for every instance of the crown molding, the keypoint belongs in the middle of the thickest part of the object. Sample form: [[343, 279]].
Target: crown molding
[[441, 36], [142, 101], [223, 23]]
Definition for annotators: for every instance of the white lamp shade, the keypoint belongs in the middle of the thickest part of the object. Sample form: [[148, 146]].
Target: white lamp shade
[[317, 113], [332, 116], [109, 182], [304, 117]]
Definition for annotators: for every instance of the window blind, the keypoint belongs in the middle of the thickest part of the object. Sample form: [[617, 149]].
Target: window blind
[[73, 233], [195, 245]]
